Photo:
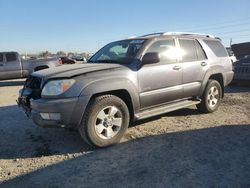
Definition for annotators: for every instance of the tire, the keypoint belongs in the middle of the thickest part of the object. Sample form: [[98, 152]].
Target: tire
[[105, 121], [211, 97]]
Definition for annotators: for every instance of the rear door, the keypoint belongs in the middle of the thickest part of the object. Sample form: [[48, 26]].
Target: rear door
[[12, 66], [161, 82], [194, 64]]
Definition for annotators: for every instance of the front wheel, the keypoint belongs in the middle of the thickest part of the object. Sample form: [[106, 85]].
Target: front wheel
[[105, 121], [211, 97]]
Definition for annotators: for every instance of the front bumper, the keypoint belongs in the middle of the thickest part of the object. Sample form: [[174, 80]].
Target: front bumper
[[70, 111], [242, 72], [65, 112]]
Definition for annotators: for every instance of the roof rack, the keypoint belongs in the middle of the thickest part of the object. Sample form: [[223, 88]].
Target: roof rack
[[153, 34], [189, 33], [178, 33]]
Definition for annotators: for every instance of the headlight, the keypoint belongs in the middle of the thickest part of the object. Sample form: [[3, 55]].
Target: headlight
[[57, 87]]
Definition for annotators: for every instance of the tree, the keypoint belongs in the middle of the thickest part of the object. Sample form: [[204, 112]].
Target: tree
[[45, 54], [61, 53]]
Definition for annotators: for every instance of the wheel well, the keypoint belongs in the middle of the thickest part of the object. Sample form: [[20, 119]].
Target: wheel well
[[122, 94], [41, 67], [219, 78]]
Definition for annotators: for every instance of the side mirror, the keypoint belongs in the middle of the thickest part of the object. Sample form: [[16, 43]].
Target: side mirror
[[151, 58]]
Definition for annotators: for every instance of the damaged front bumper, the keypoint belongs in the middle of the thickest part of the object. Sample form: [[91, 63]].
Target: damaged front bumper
[[24, 100], [66, 112]]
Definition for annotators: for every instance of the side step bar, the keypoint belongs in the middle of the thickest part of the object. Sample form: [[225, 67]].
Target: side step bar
[[164, 109]]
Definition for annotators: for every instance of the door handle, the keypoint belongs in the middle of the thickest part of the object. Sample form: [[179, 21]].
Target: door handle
[[203, 64], [177, 67]]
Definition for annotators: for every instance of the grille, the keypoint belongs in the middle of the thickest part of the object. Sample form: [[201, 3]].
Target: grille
[[34, 83], [242, 69]]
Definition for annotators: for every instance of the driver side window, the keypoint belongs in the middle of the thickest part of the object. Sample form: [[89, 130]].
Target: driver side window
[[166, 49]]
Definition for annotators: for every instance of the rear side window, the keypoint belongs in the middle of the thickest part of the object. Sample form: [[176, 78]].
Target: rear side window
[[217, 48], [166, 48], [11, 57], [188, 50], [1, 57]]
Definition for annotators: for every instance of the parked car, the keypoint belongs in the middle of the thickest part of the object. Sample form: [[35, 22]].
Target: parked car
[[12, 66], [79, 59], [129, 80], [242, 70], [67, 60], [240, 50]]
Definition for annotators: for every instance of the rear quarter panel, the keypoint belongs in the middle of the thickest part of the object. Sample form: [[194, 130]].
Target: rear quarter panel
[[217, 65]]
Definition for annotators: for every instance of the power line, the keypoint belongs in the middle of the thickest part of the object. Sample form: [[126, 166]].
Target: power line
[[236, 35], [215, 24], [243, 30], [225, 26]]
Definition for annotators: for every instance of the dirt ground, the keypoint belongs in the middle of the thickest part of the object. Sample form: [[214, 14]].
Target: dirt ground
[[178, 149]]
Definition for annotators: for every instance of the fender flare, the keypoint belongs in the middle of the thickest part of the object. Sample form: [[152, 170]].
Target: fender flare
[[210, 72], [111, 85]]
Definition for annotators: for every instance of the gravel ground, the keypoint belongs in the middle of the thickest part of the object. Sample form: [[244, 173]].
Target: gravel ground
[[182, 148]]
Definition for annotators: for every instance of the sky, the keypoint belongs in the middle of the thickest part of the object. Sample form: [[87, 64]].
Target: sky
[[33, 26]]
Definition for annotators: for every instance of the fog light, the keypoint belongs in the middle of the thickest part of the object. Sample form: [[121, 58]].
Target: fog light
[[51, 116], [45, 116]]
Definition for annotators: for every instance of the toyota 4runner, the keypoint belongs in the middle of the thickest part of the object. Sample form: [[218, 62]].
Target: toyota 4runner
[[129, 80]]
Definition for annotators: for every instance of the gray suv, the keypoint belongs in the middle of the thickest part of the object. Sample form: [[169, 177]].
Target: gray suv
[[129, 80]]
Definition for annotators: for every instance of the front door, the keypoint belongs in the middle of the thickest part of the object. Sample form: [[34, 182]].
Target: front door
[[12, 65], [161, 82]]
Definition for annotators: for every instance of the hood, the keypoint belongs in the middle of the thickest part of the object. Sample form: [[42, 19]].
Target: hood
[[242, 49], [67, 71]]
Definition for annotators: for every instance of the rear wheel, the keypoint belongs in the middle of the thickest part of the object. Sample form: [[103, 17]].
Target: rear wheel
[[105, 121], [211, 97]]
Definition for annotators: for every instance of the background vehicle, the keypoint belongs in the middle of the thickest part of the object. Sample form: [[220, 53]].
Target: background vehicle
[[242, 66], [242, 71], [130, 80], [79, 59], [12, 66], [231, 55], [241, 50], [67, 60]]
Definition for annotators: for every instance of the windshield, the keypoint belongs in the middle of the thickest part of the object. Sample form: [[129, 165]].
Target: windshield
[[118, 52]]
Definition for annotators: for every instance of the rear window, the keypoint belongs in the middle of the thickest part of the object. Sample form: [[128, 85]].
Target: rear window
[[11, 57], [217, 48], [1, 57]]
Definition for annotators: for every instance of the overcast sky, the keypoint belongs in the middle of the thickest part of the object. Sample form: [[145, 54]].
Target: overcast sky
[[86, 25]]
